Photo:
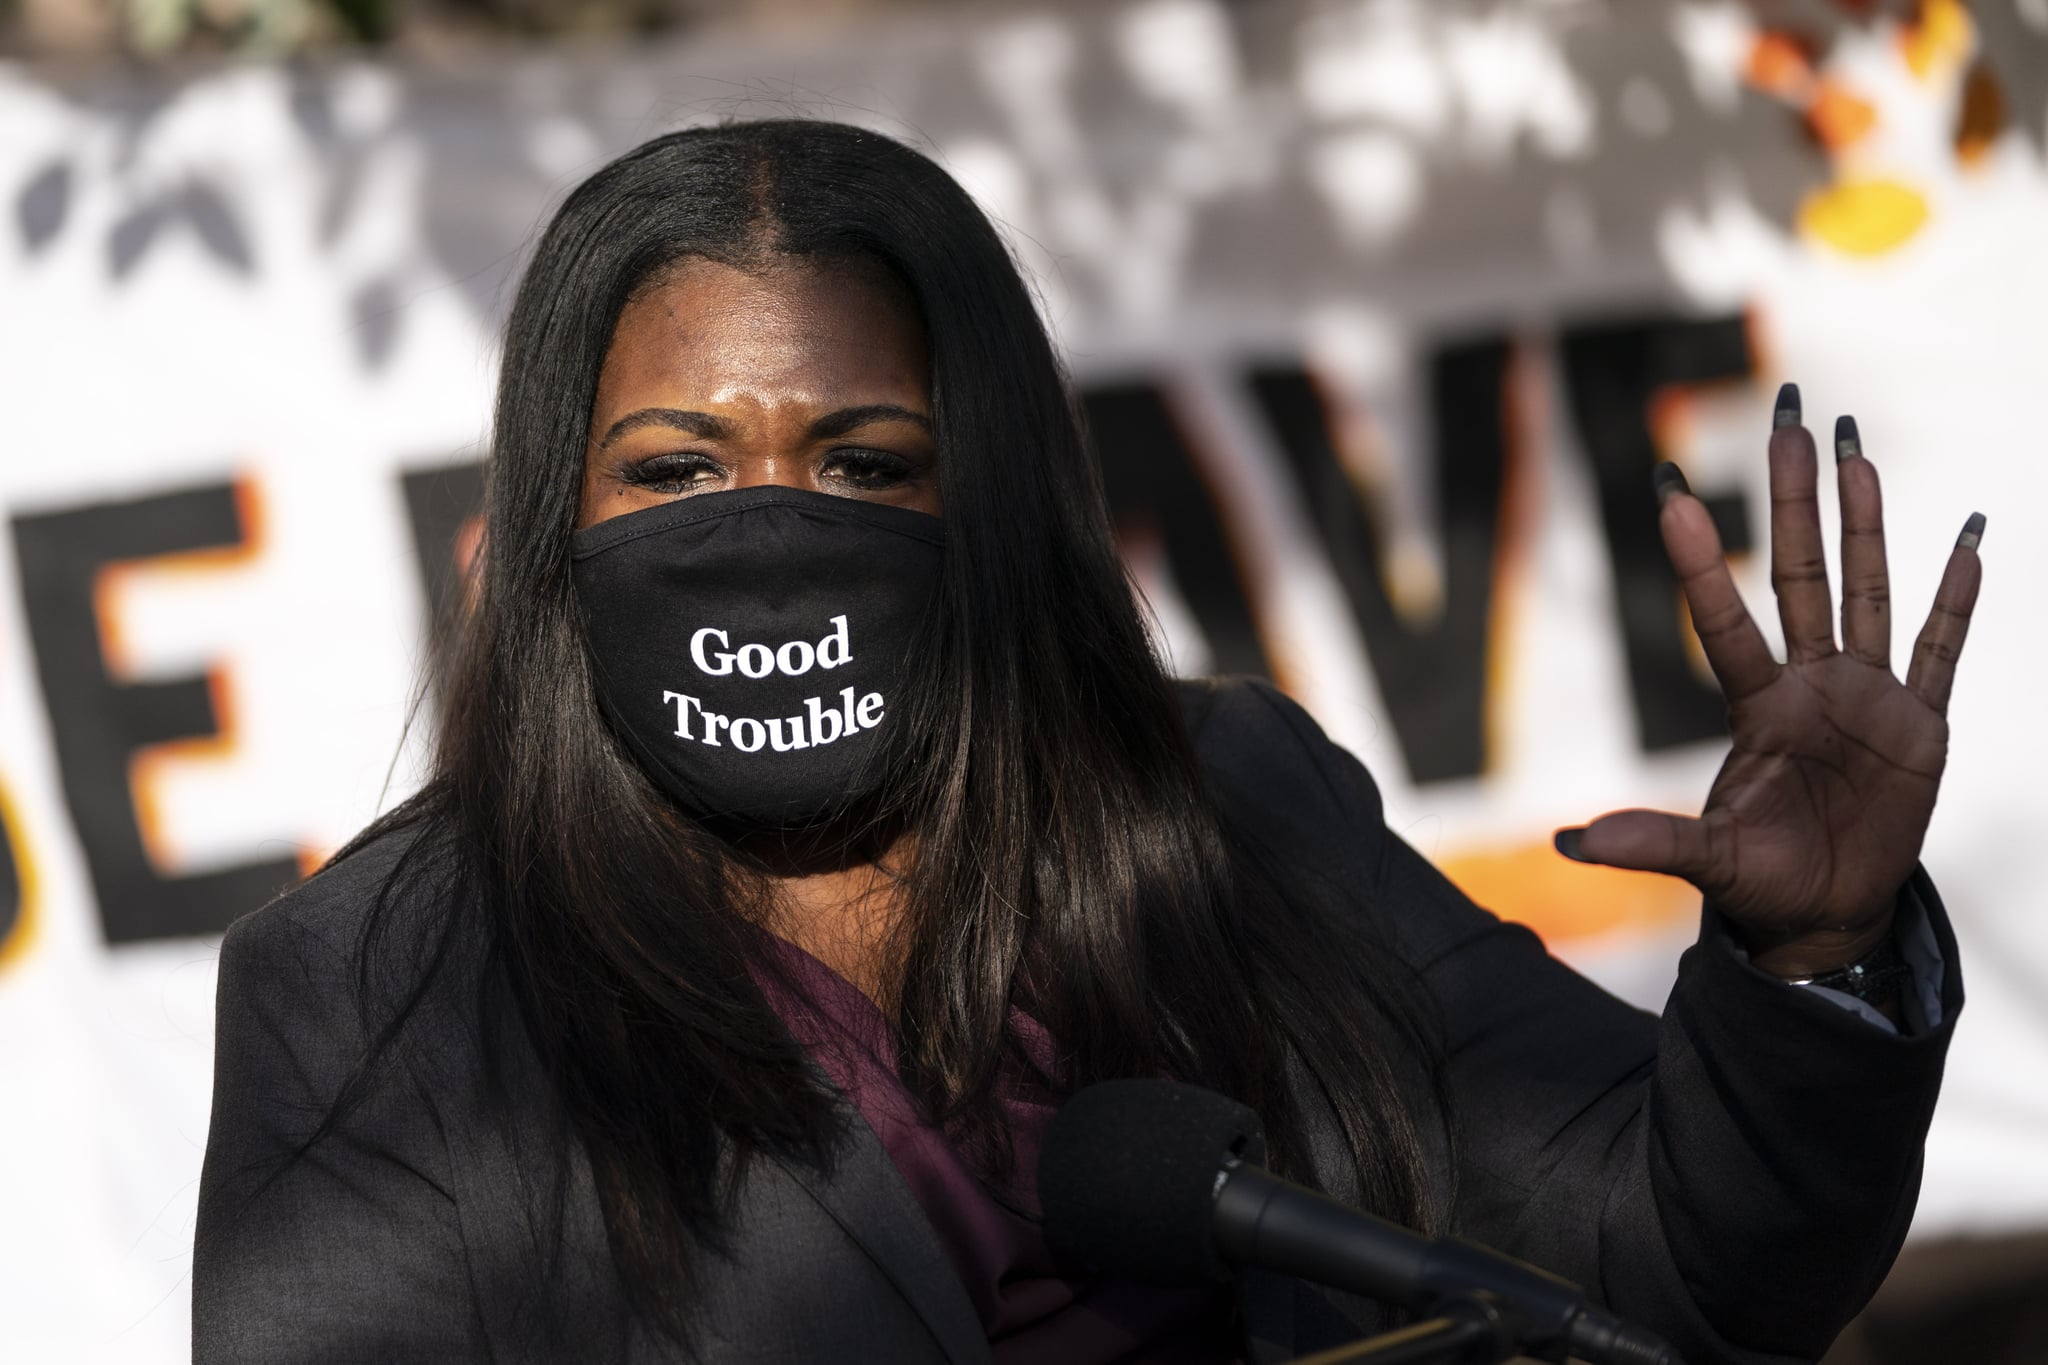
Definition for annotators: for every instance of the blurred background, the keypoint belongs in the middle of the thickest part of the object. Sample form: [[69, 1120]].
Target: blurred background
[[1381, 313]]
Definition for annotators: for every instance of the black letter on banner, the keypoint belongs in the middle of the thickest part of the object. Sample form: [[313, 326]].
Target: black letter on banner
[[1154, 485], [98, 723], [1433, 680], [10, 882], [1612, 372], [438, 502]]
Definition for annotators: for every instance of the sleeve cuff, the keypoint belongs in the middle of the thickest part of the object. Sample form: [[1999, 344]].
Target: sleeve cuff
[[1917, 944]]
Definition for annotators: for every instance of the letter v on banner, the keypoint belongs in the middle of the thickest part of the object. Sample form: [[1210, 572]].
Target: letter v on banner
[[1431, 673]]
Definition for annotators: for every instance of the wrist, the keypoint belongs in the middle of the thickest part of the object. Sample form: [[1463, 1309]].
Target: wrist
[[1817, 951]]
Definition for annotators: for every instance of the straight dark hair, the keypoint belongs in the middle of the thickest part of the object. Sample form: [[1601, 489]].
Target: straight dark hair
[[1069, 859]]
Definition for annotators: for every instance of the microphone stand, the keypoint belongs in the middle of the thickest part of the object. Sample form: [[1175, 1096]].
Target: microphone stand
[[1466, 1329]]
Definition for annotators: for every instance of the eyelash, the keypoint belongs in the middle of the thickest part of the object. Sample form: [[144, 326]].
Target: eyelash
[[863, 468], [665, 473], [871, 468]]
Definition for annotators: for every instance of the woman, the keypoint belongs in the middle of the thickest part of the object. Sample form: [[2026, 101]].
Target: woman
[[810, 815]]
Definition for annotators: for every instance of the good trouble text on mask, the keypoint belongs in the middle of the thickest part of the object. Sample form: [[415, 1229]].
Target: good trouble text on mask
[[819, 723]]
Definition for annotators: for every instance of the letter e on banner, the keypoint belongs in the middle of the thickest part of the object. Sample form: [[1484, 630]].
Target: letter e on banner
[[104, 728]]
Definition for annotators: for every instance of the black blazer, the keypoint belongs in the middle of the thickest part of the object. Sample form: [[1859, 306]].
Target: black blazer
[[1737, 1175]]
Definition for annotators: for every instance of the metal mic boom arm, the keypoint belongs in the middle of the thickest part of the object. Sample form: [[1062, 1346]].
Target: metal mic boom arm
[[1266, 1221]]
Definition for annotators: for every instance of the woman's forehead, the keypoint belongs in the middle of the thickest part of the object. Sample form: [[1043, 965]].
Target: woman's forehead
[[791, 329]]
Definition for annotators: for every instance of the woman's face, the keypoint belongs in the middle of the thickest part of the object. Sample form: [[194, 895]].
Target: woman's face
[[806, 376]]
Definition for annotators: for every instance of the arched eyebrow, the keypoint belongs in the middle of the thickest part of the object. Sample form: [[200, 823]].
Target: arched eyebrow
[[711, 428], [679, 419], [852, 419]]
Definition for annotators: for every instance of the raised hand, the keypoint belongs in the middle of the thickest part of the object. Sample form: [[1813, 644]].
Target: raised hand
[[1816, 818]]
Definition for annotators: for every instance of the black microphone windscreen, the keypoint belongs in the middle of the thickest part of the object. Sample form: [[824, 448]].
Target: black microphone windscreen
[[1127, 1179]]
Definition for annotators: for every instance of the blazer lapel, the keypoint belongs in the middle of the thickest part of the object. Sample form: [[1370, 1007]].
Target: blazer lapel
[[509, 1194], [866, 1196]]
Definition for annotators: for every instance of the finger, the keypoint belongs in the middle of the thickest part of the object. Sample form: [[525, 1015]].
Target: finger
[[1933, 671], [1735, 648], [1645, 840], [1799, 571], [1866, 582]]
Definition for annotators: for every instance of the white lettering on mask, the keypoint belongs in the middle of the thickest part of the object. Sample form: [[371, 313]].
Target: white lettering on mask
[[697, 652], [792, 659], [819, 724]]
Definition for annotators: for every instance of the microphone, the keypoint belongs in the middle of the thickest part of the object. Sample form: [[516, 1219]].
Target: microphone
[[1161, 1182]]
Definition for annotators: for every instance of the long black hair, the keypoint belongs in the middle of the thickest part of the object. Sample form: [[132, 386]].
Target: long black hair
[[1068, 858]]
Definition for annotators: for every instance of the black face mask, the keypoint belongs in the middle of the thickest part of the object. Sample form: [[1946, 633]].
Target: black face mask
[[752, 646]]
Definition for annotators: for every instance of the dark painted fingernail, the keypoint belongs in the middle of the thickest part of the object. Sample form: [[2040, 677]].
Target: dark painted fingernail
[[1567, 843], [1848, 445], [1786, 414], [1973, 532], [1669, 481]]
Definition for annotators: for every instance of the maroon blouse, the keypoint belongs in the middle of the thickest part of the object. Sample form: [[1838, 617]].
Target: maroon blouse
[[992, 1231]]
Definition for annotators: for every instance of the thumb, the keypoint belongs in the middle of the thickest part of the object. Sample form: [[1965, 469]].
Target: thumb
[[1643, 840]]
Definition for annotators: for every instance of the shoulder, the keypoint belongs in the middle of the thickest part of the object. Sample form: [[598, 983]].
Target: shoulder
[[330, 908], [374, 905], [1255, 742], [298, 1254], [1275, 775], [344, 986], [1218, 710]]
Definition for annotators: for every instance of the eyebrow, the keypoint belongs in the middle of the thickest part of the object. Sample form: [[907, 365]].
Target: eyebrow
[[711, 428], [680, 419], [852, 419]]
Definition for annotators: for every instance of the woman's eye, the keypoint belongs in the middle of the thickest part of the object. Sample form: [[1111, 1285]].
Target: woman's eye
[[672, 473], [869, 468]]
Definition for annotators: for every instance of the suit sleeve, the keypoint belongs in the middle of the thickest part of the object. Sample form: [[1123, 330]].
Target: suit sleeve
[[347, 1250], [1737, 1175]]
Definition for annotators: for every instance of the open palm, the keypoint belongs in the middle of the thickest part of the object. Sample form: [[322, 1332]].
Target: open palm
[[1816, 818]]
